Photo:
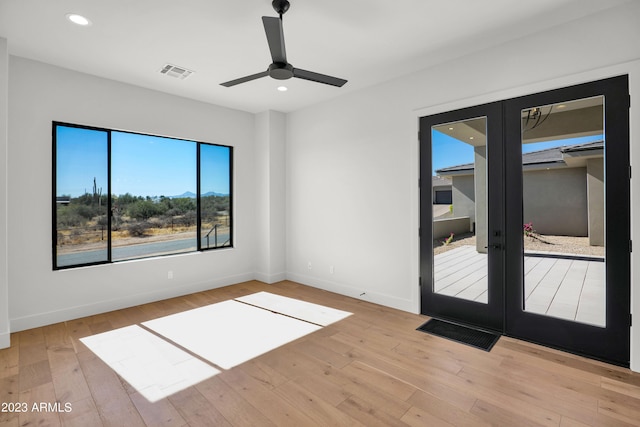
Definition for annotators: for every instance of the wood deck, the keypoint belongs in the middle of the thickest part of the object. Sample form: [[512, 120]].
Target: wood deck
[[564, 288], [370, 369]]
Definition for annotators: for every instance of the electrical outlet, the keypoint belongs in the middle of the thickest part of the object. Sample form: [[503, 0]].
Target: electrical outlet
[[309, 265], [331, 269], [170, 274]]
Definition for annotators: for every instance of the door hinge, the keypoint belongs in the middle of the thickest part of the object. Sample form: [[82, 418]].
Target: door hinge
[[419, 135], [420, 232], [630, 319], [630, 245], [629, 172], [420, 281], [629, 101]]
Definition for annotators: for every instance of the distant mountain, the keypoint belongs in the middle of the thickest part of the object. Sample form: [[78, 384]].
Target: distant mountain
[[185, 195], [190, 195]]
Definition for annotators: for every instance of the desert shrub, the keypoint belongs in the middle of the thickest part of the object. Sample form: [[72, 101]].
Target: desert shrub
[[210, 218], [187, 220], [69, 218], [215, 203], [183, 205], [138, 228], [126, 199], [144, 209], [85, 211]]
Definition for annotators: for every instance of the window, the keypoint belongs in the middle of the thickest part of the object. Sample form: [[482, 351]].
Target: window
[[123, 195]]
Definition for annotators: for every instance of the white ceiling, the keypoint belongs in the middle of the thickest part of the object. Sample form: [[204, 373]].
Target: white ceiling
[[364, 41]]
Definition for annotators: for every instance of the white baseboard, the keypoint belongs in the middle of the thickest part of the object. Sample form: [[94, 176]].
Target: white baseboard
[[70, 313], [271, 278], [350, 291], [5, 340]]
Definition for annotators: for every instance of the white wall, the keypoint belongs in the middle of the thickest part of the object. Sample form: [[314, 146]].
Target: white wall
[[4, 283], [269, 137], [39, 94], [352, 163]]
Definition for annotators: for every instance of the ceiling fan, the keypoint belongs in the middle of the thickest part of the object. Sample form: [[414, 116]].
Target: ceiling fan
[[281, 69]]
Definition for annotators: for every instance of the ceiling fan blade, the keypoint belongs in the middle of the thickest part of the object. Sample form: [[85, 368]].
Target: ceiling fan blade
[[316, 77], [245, 79], [275, 38]]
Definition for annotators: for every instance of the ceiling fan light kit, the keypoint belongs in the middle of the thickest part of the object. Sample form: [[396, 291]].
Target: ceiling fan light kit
[[280, 68]]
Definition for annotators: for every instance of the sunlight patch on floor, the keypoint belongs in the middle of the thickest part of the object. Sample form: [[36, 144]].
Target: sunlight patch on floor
[[151, 365], [309, 312], [221, 335], [230, 333]]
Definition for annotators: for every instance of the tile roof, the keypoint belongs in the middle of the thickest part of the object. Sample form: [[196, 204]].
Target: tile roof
[[548, 155]]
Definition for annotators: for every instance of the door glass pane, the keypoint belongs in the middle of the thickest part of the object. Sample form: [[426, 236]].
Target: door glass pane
[[81, 196], [153, 181], [459, 196], [563, 178]]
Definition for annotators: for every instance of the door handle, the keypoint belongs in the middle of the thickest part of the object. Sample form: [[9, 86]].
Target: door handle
[[498, 246]]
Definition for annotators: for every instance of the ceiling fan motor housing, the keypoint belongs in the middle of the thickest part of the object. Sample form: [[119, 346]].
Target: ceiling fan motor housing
[[281, 71], [280, 6]]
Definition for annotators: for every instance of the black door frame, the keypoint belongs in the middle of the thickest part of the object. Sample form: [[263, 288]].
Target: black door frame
[[610, 343], [505, 311], [488, 316]]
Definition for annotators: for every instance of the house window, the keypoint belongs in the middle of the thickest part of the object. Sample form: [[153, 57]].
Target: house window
[[122, 195]]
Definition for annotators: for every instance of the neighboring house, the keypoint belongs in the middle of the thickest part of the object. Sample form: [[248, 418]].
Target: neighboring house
[[63, 200], [563, 191], [441, 188]]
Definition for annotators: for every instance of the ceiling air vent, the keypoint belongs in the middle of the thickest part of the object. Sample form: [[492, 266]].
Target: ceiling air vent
[[175, 71]]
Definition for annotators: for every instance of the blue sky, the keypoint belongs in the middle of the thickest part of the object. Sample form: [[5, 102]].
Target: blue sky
[[214, 169], [448, 151], [81, 155], [145, 165], [141, 165]]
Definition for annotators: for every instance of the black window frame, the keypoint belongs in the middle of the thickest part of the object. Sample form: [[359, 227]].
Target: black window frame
[[109, 196]]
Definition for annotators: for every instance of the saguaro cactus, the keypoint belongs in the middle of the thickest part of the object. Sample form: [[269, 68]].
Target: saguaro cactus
[[97, 193]]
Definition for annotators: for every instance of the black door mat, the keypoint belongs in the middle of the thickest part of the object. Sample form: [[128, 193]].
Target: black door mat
[[462, 334]]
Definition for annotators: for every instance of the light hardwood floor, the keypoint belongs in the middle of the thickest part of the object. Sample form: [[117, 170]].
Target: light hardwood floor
[[371, 369]]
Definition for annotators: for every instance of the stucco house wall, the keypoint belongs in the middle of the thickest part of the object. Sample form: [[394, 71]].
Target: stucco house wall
[[463, 195], [595, 190], [555, 201]]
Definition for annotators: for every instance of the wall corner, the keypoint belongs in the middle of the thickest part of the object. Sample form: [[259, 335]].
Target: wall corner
[[4, 163]]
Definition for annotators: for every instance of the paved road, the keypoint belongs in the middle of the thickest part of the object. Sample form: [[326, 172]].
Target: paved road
[[136, 251]]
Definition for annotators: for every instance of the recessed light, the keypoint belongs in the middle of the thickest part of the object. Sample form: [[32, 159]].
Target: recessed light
[[470, 137], [450, 128], [283, 88], [78, 19]]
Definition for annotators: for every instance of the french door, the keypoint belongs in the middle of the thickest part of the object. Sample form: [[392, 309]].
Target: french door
[[534, 243], [462, 262]]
